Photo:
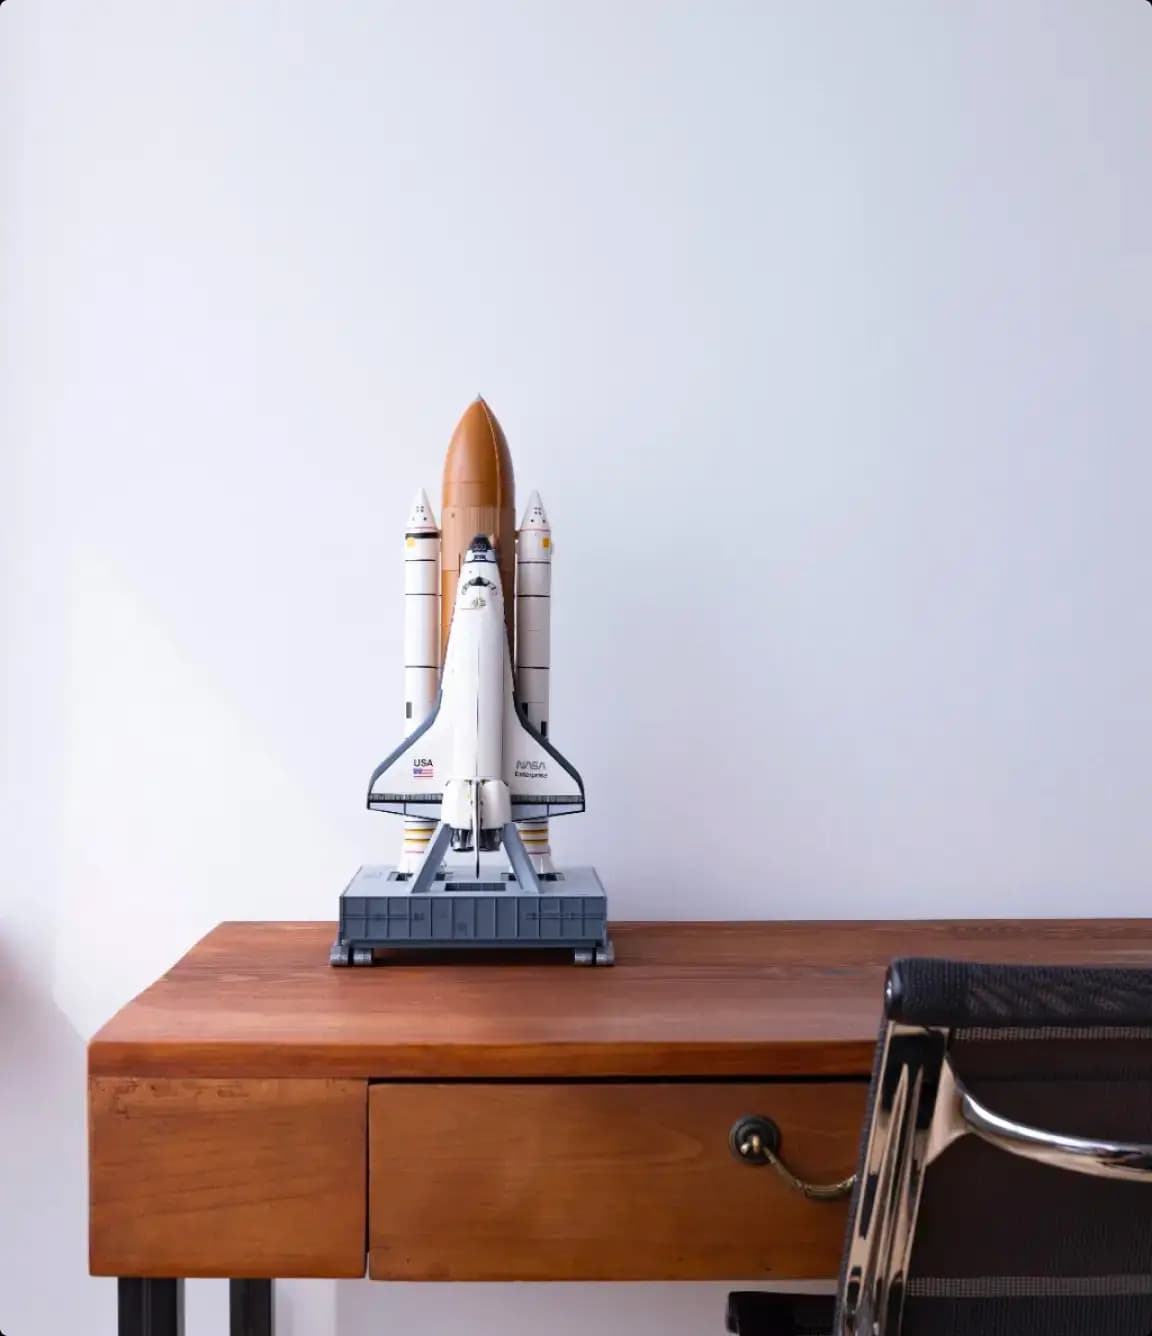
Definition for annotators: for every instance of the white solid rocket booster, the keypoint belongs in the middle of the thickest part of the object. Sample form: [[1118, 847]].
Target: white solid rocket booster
[[534, 648], [421, 646]]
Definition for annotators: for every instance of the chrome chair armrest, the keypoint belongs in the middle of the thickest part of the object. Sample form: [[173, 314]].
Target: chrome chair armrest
[[959, 1112]]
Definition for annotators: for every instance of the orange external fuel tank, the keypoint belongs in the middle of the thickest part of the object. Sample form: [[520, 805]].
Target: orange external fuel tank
[[479, 497]]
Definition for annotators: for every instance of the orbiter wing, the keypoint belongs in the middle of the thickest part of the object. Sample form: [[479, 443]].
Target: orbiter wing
[[540, 781], [411, 780]]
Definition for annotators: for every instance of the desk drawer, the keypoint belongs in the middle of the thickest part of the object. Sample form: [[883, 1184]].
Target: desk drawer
[[205, 1177], [602, 1181]]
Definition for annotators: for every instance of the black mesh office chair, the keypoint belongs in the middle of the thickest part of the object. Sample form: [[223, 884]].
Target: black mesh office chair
[[1005, 1181]]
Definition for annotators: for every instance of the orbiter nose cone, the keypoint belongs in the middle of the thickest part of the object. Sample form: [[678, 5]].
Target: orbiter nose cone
[[478, 457]]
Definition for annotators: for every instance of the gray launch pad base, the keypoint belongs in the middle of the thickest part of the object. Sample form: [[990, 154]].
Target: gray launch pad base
[[454, 911]]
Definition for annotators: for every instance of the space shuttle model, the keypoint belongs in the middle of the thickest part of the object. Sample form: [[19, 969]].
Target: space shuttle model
[[476, 773]]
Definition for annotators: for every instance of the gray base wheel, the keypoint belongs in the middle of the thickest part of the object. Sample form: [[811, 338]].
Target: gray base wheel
[[606, 954], [339, 955], [583, 956], [362, 955]]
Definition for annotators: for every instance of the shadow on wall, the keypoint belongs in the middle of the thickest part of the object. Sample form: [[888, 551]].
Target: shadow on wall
[[44, 1283]]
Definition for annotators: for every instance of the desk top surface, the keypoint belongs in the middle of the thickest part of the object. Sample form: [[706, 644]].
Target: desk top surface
[[704, 1000]]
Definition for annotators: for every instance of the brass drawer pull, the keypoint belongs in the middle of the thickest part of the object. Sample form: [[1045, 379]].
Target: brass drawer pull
[[755, 1140]]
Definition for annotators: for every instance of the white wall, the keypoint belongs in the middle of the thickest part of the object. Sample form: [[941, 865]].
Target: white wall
[[824, 331]]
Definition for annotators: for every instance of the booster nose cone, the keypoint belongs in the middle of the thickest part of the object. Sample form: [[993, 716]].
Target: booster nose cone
[[421, 520], [479, 498], [535, 516]]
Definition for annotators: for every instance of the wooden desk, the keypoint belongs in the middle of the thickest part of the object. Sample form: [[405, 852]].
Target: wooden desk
[[256, 1113]]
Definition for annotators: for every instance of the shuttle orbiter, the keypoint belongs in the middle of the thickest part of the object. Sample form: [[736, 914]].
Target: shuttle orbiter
[[476, 765]]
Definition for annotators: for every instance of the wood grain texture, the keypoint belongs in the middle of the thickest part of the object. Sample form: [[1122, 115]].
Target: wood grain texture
[[602, 1181], [227, 1178], [685, 999]]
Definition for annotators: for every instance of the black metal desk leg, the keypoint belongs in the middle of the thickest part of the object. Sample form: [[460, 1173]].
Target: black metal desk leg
[[150, 1307], [250, 1304]]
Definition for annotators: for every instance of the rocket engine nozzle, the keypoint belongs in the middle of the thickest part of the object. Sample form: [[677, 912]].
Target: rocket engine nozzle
[[464, 840]]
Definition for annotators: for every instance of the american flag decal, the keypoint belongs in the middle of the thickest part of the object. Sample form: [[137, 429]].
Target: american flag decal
[[422, 770]]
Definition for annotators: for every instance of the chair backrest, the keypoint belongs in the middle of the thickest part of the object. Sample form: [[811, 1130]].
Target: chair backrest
[[1005, 1183]]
